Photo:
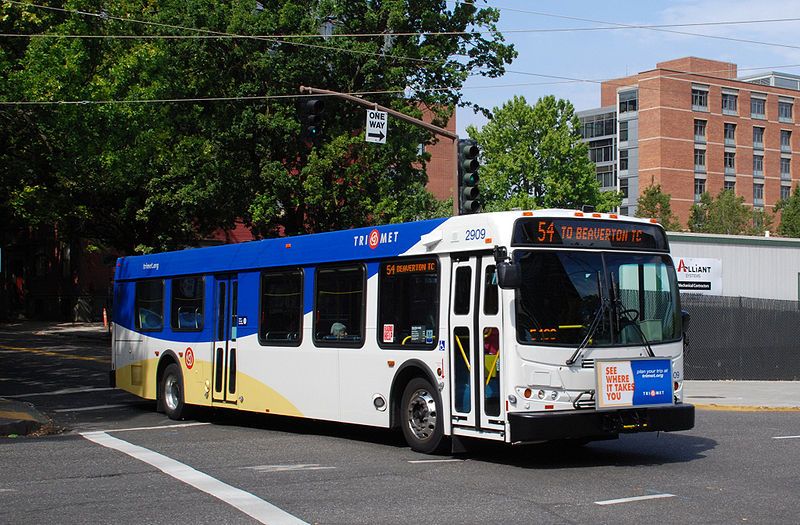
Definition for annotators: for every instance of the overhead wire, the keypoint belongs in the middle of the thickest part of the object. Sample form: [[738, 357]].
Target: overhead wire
[[557, 79]]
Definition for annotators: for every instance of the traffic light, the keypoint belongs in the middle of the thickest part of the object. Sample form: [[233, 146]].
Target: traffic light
[[311, 110], [468, 165]]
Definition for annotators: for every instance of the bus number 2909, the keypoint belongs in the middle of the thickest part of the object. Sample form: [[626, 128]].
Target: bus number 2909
[[473, 235]]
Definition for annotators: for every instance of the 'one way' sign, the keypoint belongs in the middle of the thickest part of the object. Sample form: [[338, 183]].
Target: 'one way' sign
[[376, 126]]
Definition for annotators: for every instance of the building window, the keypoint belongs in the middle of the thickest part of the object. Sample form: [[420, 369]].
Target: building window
[[149, 305], [623, 188], [786, 140], [628, 101], [699, 189], [729, 185], [623, 131], [729, 104], [700, 131], [784, 111], [623, 160], [601, 150], [408, 311], [700, 160], [281, 320], [598, 125], [758, 137], [786, 192], [786, 169], [606, 177], [758, 194], [339, 306], [730, 134], [699, 99], [758, 165], [187, 303], [730, 162], [758, 108]]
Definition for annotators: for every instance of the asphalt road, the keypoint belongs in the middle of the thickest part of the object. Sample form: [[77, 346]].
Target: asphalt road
[[121, 462]]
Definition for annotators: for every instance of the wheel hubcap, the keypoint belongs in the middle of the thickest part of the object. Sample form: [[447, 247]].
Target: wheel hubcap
[[422, 414], [172, 392]]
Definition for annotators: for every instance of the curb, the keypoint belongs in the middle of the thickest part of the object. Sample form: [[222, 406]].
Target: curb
[[19, 418]]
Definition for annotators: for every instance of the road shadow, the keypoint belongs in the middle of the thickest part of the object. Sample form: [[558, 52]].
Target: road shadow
[[629, 450]]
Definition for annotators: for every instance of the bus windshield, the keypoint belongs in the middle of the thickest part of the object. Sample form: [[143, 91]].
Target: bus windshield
[[634, 295]]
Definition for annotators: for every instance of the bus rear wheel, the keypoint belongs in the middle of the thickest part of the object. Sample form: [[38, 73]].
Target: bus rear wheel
[[421, 417], [171, 392]]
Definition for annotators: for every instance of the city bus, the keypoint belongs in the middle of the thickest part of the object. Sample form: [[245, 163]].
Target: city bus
[[518, 327]]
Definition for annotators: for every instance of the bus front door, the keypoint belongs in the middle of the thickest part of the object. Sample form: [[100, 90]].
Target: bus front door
[[226, 322], [476, 353]]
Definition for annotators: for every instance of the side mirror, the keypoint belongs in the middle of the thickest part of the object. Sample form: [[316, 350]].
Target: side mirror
[[685, 318], [509, 275]]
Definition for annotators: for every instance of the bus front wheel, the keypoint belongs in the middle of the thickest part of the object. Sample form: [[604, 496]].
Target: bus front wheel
[[171, 391], [423, 426]]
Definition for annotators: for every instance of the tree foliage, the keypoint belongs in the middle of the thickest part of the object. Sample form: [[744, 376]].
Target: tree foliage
[[140, 176], [728, 214], [790, 214], [654, 203], [533, 158]]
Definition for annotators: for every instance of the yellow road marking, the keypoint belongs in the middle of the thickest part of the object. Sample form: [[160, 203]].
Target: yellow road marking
[[740, 408], [56, 354], [14, 414]]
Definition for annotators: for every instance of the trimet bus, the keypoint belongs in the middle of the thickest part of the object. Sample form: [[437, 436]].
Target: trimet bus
[[515, 326]]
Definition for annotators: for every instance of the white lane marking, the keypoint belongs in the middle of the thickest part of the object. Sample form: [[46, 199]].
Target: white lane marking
[[79, 390], [8, 490], [157, 427], [286, 468], [253, 506], [634, 498], [434, 460], [97, 407], [786, 437]]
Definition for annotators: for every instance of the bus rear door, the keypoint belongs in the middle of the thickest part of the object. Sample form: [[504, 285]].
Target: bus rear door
[[226, 321]]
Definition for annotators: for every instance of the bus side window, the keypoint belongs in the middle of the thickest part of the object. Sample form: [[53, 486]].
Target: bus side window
[[187, 303], [281, 317], [339, 298], [408, 311], [149, 305]]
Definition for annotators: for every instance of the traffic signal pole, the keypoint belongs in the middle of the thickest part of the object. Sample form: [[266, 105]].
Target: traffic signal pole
[[436, 130]]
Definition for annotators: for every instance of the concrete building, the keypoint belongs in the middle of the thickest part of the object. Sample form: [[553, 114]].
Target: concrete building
[[692, 126]]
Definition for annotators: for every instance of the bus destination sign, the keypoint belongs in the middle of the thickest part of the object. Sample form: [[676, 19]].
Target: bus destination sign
[[589, 233]]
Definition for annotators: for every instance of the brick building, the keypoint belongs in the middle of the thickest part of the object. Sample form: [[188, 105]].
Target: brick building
[[691, 125]]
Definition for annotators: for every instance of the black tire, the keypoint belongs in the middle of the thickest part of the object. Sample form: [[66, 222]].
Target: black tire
[[421, 417], [170, 391]]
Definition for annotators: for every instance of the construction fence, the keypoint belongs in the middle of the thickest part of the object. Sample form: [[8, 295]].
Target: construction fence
[[742, 338]]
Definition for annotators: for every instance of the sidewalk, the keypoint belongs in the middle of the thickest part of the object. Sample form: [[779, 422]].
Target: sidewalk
[[743, 395], [45, 328]]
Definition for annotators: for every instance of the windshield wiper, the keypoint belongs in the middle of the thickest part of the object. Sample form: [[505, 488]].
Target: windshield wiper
[[619, 311], [598, 316]]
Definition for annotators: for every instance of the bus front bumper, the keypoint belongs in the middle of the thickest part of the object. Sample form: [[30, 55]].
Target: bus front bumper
[[587, 424]]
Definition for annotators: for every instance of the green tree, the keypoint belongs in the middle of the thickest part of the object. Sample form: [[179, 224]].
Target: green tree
[[532, 157], [790, 214], [144, 176], [655, 203], [728, 214]]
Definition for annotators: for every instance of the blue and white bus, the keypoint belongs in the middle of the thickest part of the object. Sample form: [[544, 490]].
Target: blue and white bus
[[518, 327]]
